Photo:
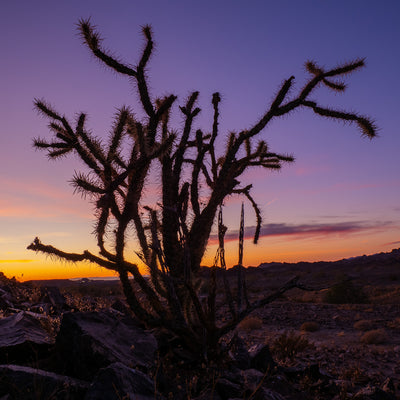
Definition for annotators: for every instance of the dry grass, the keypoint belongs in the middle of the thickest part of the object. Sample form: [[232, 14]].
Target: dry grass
[[376, 336], [287, 345], [250, 323], [310, 326], [363, 325]]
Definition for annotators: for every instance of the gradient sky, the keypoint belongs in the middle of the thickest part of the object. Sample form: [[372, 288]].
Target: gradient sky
[[339, 199]]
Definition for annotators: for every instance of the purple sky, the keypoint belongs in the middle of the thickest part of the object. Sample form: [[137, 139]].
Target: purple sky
[[340, 198]]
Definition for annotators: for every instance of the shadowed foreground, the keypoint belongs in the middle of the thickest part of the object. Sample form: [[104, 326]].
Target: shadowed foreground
[[78, 340]]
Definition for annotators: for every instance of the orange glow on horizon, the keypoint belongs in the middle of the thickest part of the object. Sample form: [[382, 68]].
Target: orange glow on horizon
[[290, 248]]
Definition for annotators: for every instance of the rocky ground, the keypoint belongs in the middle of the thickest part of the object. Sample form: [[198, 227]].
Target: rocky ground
[[76, 340]]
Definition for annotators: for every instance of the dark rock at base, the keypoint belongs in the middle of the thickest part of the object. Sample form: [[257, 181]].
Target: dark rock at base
[[279, 384], [252, 379], [23, 338], [267, 394], [239, 353], [311, 371], [89, 341], [17, 383], [53, 296], [262, 360], [207, 395], [6, 300], [117, 381], [120, 306], [227, 389], [373, 393]]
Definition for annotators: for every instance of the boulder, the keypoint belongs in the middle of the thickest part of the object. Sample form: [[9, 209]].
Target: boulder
[[209, 394], [17, 382], [88, 341], [117, 381], [238, 352], [261, 359], [52, 295], [120, 306], [23, 338], [227, 389], [252, 379], [6, 300], [373, 393], [267, 394]]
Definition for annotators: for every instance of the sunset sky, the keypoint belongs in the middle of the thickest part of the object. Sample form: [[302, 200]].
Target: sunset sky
[[339, 199]]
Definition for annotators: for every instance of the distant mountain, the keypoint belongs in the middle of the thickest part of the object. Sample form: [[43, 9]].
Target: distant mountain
[[379, 258]]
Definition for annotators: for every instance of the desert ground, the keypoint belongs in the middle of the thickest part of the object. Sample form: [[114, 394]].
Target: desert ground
[[347, 323]]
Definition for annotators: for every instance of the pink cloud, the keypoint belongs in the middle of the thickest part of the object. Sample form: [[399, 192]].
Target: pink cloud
[[392, 243], [307, 230]]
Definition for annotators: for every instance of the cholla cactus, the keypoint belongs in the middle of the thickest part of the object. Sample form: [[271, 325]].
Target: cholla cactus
[[173, 236]]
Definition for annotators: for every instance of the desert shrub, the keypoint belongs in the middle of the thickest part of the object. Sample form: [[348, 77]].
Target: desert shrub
[[51, 324], [310, 326], [250, 323], [363, 325], [376, 336], [345, 292], [287, 345]]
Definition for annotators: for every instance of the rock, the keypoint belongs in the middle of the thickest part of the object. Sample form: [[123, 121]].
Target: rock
[[373, 393], [53, 296], [118, 305], [262, 360], [207, 395], [251, 379], [227, 389], [89, 341], [117, 381], [239, 353], [267, 394], [5, 304], [311, 371], [278, 384], [27, 383], [23, 338], [5, 300]]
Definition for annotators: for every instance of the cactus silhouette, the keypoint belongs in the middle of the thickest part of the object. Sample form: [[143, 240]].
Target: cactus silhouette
[[172, 236]]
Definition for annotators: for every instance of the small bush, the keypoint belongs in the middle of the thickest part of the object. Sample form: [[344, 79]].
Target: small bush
[[287, 345], [250, 323], [363, 325], [310, 326], [376, 336], [345, 292]]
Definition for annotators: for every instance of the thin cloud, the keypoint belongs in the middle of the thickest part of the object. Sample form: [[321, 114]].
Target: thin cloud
[[392, 243], [15, 261], [307, 230]]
